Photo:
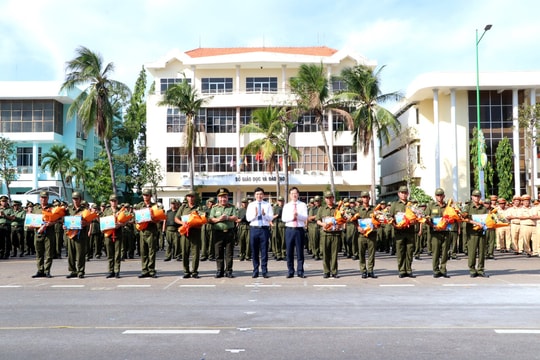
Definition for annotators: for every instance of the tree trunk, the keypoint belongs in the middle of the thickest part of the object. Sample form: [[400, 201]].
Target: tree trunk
[[111, 166], [330, 162], [373, 179]]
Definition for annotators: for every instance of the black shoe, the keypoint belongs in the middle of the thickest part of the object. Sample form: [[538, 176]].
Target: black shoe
[[326, 276], [355, 257], [248, 259], [411, 275], [446, 276], [364, 275], [437, 275], [167, 259], [335, 276], [219, 274], [302, 276], [186, 276], [71, 276], [195, 276], [154, 276], [372, 275], [117, 276], [204, 258], [255, 275], [39, 274], [401, 276], [266, 276], [48, 275], [484, 275], [290, 276], [474, 275], [417, 257], [110, 275], [81, 276], [229, 275], [144, 276]]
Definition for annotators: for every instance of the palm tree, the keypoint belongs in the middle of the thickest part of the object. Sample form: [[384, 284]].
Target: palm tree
[[185, 98], [370, 119], [8, 171], [313, 95], [58, 160], [80, 171], [94, 106], [270, 122]]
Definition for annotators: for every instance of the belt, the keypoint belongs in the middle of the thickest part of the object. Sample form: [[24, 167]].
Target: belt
[[260, 227]]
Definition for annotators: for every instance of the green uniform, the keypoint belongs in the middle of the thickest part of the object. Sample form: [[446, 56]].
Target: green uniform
[[242, 228], [329, 242], [351, 235], [440, 240], [148, 237], [223, 238], [17, 231], [76, 245], [191, 243], [476, 241], [208, 250], [172, 236], [367, 243], [6, 214], [404, 240], [96, 239], [314, 233], [44, 243], [113, 245]]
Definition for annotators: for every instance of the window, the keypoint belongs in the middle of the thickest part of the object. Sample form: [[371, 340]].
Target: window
[[309, 124], [261, 84], [311, 159], [79, 154], [177, 161], [31, 116], [168, 82], [344, 158], [245, 116], [338, 84], [220, 120], [176, 121], [216, 85], [25, 159]]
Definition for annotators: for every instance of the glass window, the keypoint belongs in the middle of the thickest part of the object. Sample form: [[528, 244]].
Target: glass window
[[344, 158], [30, 116], [216, 85], [168, 82], [261, 84], [177, 161], [220, 120]]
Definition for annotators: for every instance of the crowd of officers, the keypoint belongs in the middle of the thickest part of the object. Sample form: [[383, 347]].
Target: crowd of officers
[[228, 227]]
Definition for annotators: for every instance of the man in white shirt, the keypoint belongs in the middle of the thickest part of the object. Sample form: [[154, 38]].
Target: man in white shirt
[[259, 214], [294, 216]]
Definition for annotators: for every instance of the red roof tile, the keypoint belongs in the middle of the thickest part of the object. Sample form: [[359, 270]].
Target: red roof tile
[[312, 50]]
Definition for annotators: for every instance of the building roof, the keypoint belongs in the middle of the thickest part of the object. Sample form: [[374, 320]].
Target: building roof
[[311, 51]]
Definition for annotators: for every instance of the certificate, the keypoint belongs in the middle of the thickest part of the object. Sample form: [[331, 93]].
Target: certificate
[[143, 215], [73, 222], [365, 224], [33, 220], [106, 223]]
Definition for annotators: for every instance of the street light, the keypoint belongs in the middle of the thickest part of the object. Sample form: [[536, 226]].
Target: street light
[[478, 131]]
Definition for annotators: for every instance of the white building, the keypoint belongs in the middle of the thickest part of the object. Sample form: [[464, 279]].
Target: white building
[[442, 110], [34, 116], [237, 81]]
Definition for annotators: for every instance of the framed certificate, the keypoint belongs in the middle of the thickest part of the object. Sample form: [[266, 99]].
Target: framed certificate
[[107, 223], [33, 220], [365, 224], [143, 215], [73, 222]]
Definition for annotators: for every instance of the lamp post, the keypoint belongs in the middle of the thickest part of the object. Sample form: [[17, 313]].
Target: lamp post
[[478, 131]]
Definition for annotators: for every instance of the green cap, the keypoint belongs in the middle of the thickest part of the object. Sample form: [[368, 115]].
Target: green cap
[[439, 191], [147, 192], [403, 189], [476, 192], [364, 194], [328, 194]]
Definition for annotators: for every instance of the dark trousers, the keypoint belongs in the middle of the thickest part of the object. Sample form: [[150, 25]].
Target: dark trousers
[[258, 239], [224, 248], [294, 238]]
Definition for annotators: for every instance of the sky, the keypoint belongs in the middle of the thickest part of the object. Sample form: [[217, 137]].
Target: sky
[[408, 37]]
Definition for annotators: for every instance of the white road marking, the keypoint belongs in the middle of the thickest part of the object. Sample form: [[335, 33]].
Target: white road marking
[[261, 285], [171, 332], [235, 351], [198, 286], [331, 286], [10, 286], [459, 285], [517, 331]]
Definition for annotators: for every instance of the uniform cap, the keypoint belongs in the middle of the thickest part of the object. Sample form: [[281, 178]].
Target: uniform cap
[[439, 191], [113, 197], [501, 200], [351, 200], [328, 194], [44, 194], [476, 192], [493, 197], [403, 189], [211, 200], [147, 192], [317, 198], [223, 191], [516, 197], [244, 200], [280, 198], [364, 194], [191, 193], [525, 197], [76, 195], [4, 197], [345, 199], [17, 202]]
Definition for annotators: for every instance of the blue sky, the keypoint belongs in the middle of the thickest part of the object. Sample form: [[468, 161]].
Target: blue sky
[[409, 37]]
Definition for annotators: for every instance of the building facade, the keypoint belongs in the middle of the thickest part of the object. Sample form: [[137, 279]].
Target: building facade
[[237, 81], [33, 115], [438, 118]]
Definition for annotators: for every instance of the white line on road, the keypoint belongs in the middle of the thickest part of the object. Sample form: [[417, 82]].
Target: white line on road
[[458, 285], [67, 286], [331, 286], [198, 286], [172, 332], [134, 286], [10, 286], [235, 351], [517, 331]]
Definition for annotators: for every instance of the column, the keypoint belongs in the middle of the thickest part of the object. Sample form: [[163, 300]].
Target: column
[[437, 137], [534, 160], [454, 162], [515, 135]]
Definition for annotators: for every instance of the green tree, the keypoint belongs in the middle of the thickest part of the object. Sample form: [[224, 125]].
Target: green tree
[[94, 106], [152, 173], [98, 183], [313, 96], [185, 98], [58, 160], [8, 170], [370, 119], [79, 172], [271, 123], [504, 159], [488, 168]]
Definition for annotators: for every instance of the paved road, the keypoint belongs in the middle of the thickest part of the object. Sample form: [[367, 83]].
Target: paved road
[[276, 318]]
